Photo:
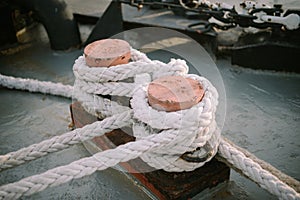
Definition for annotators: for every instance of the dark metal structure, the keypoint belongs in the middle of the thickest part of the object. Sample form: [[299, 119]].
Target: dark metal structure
[[275, 46], [268, 50], [7, 30], [57, 19], [109, 24]]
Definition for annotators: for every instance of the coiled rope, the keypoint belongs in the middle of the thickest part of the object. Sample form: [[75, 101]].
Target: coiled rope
[[180, 134], [192, 134]]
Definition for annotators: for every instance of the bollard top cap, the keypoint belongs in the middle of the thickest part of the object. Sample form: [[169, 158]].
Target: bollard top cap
[[173, 93], [107, 52]]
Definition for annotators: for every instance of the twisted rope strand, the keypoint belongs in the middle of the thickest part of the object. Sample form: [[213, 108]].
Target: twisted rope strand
[[33, 85], [85, 166], [97, 105], [293, 183], [193, 133], [94, 104], [126, 152], [255, 172], [65, 140], [110, 88]]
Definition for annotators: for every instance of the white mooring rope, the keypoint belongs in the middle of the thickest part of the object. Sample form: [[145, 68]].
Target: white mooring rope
[[32, 85], [194, 133], [161, 137], [65, 140]]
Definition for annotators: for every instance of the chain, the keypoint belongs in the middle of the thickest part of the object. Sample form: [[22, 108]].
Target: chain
[[254, 14]]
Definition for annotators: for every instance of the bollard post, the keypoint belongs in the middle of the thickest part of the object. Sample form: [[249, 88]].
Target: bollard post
[[169, 93], [107, 53]]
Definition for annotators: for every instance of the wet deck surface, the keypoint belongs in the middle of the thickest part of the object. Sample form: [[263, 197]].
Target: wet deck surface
[[263, 116]]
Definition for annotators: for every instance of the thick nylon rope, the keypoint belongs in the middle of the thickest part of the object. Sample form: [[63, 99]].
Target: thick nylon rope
[[234, 162], [131, 150], [109, 81], [256, 173], [99, 106], [32, 85], [85, 166], [283, 192], [93, 104], [196, 133], [293, 183], [65, 140]]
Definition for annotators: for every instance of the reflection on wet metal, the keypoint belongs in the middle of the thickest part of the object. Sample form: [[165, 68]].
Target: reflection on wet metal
[[199, 155]]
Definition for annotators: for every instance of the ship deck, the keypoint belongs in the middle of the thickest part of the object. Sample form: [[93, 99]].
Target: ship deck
[[263, 116]]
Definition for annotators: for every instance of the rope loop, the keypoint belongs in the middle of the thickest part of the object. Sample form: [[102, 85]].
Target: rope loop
[[129, 80], [190, 129]]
